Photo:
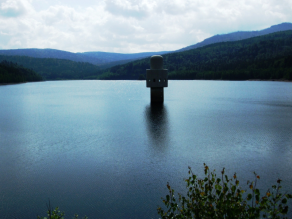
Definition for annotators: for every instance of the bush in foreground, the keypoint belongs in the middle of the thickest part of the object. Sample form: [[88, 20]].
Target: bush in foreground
[[216, 197], [56, 213], [221, 197]]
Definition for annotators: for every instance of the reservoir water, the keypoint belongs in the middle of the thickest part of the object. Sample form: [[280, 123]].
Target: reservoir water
[[98, 148]]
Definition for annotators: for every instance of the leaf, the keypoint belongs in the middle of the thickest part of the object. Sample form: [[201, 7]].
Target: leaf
[[284, 210], [284, 201], [167, 198], [206, 169], [223, 171]]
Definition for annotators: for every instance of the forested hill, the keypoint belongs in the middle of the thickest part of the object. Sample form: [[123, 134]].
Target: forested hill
[[52, 53], [264, 57], [14, 73], [107, 59], [95, 58], [239, 35], [56, 69]]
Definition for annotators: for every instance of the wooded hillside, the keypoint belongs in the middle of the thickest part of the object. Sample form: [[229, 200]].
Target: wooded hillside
[[56, 69], [14, 73], [264, 57]]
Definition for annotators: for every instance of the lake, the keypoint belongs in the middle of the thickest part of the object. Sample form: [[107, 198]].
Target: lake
[[98, 148]]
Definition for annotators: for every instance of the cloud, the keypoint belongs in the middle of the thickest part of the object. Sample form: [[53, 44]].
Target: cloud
[[12, 8], [126, 8], [129, 26]]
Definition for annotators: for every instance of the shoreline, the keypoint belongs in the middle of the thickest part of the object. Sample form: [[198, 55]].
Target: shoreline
[[3, 84], [276, 80]]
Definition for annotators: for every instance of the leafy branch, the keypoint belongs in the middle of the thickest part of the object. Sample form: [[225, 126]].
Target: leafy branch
[[222, 197]]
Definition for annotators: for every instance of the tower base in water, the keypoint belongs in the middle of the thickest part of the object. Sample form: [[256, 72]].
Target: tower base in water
[[156, 95]]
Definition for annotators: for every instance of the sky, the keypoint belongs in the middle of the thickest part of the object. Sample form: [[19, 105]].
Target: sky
[[131, 26]]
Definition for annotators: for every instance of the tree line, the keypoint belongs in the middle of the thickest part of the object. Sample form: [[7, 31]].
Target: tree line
[[13, 73], [264, 57], [56, 69]]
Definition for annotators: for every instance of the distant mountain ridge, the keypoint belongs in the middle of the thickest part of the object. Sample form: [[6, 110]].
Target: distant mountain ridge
[[114, 57], [107, 60], [267, 57], [51, 53], [240, 35], [263, 57], [95, 58]]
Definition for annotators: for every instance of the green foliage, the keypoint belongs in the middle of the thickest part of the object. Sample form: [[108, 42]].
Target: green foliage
[[13, 73], [222, 197], [56, 213], [53, 214], [266, 57]]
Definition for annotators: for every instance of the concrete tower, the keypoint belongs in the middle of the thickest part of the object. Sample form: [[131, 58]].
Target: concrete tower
[[156, 79]]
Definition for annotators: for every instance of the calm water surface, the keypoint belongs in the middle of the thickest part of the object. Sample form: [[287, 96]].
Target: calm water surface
[[98, 148]]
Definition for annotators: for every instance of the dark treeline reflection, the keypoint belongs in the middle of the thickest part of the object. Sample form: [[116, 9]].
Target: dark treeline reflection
[[157, 123]]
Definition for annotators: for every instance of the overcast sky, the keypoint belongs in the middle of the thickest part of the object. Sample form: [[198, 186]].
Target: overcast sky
[[130, 26]]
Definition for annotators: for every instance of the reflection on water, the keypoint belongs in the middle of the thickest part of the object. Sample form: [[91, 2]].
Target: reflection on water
[[157, 123]]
